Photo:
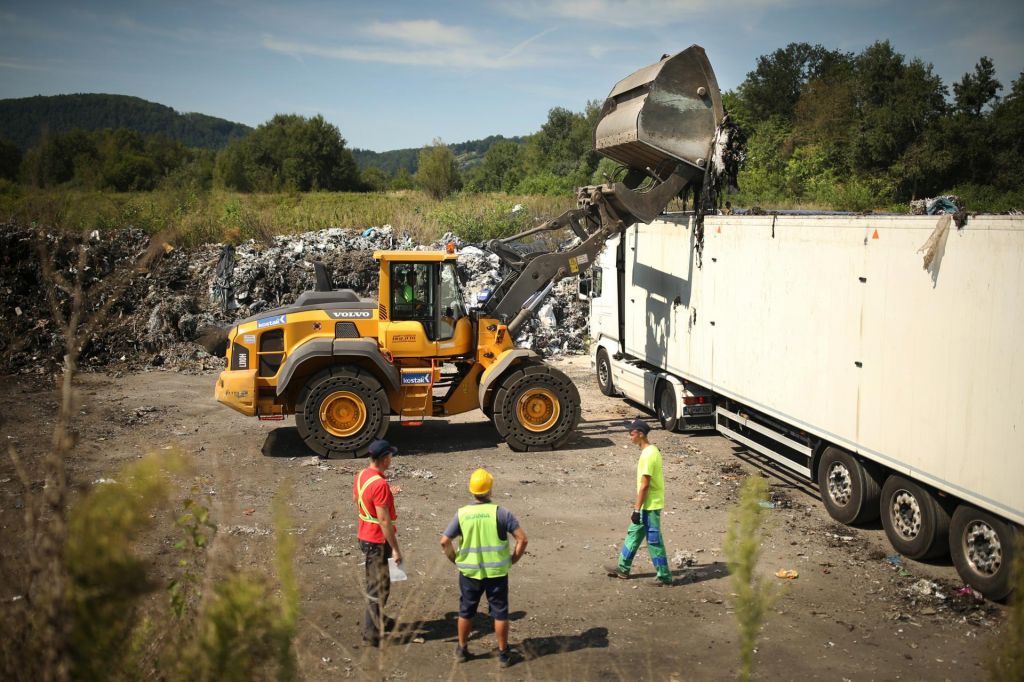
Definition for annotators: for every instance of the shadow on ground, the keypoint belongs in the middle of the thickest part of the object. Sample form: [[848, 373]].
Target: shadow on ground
[[434, 435], [446, 627], [536, 647], [689, 576]]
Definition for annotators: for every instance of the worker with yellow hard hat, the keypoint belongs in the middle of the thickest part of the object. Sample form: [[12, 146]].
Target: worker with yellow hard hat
[[483, 559]]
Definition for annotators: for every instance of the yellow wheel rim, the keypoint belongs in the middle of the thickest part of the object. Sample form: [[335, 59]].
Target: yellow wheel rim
[[538, 409], [342, 414]]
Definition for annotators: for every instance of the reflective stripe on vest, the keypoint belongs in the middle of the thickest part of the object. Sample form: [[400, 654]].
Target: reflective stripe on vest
[[364, 513], [482, 553]]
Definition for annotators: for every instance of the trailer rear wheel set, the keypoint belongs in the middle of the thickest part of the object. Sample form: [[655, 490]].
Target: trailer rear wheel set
[[918, 522]]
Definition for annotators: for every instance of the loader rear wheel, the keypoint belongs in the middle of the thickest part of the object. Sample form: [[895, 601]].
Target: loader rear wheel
[[915, 523], [536, 407], [340, 411]]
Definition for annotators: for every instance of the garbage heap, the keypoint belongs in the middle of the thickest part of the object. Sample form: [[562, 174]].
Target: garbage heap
[[152, 304]]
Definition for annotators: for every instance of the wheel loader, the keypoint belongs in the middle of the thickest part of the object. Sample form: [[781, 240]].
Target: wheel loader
[[346, 367]]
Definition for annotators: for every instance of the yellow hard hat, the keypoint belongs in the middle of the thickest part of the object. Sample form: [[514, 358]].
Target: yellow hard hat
[[480, 482]]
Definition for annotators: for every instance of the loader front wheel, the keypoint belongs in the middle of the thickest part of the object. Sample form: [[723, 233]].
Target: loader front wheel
[[536, 407], [340, 411]]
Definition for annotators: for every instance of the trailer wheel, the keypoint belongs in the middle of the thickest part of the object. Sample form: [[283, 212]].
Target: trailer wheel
[[916, 524], [536, 407], [982, 547], [604, 373], [667, 410], [340, 411], [849, 489]]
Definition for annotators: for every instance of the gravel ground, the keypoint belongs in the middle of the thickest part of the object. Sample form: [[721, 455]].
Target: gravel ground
[[851, 614]]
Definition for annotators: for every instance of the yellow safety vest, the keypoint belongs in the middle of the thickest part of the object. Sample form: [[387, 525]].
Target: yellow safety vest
[[482, 553], [364, 513]]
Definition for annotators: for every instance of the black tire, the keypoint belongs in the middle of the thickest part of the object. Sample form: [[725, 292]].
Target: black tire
[[849, 489], [360, 389], [604, 373], [529, 385], [667, 409], [916, 524], [982, 547]]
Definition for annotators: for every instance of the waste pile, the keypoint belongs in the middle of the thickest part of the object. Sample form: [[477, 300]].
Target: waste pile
[[153, 304]]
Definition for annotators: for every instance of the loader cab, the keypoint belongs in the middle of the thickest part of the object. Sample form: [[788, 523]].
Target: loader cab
[[423, 313]]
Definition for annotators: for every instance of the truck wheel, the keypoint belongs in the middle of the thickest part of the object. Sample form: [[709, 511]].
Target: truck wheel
[[982, 550], [849, 489], [340, 411], [536, 407], [667, 411], [604, 373], [915, 523]]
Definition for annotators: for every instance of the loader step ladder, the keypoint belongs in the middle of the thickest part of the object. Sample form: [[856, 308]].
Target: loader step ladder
[[417, 393]]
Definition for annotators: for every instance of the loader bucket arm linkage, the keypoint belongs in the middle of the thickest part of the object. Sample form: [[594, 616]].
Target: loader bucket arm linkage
[[660, 123]]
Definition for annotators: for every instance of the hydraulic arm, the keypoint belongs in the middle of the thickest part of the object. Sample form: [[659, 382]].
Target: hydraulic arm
[[662, 124]]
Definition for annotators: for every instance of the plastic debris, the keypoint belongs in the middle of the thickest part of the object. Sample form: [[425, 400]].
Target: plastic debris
[[787, 574], [681, 559], [189, 293], [894, 559]]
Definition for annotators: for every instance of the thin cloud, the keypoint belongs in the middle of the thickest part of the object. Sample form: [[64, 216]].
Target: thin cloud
[[416, 43], [21, 66], [422, 32], [184, 35], [639, 13]]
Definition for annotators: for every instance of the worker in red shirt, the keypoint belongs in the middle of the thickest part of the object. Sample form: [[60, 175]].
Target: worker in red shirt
[[377, 537]]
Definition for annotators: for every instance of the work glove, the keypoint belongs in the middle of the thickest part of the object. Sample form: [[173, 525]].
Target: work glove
[[635, 517]]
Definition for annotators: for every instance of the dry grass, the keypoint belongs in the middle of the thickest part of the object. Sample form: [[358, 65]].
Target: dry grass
[[199, 218]]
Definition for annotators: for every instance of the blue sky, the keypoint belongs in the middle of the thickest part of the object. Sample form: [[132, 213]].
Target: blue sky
[[399, 74]]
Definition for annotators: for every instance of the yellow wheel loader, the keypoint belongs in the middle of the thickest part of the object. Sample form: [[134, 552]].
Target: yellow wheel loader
[[345, 367]]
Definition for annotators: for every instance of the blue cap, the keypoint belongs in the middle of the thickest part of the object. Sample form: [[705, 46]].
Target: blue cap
[[379, 448], [638, 425]]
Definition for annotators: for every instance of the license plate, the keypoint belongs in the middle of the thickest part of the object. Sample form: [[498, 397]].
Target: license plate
[[698, 410]]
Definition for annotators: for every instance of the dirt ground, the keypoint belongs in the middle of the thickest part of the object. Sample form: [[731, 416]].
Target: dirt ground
[[850, 615]]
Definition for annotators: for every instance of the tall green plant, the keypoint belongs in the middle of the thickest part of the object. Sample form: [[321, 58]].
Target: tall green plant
[[1008, 663], [753, 595], [107, 576]]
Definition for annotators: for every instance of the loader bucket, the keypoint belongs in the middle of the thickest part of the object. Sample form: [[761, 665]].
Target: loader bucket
[[663, 115]]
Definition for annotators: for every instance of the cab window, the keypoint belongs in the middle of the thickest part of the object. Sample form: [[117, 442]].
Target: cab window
[[451, 304], [413, 287]]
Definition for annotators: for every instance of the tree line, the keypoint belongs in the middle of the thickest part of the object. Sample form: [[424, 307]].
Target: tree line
[[854, 131], [23, 121], [823, 127]]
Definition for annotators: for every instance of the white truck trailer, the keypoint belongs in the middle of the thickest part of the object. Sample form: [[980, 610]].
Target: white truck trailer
[[822, 342]]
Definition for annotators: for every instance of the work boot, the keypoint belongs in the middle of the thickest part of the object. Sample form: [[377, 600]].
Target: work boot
[[614, 571], [461, 653]]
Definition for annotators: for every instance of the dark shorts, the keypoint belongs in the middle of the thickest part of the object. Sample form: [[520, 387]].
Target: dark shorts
[[471, 589]]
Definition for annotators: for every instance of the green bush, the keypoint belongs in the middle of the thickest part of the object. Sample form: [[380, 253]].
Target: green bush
[[477, 222], [108, 579]]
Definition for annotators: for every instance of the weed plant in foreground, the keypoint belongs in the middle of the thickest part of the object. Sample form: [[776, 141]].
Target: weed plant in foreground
[[752, 594]]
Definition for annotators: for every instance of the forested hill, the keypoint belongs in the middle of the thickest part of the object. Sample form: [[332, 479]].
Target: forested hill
[[467, 154], [23, 120]]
